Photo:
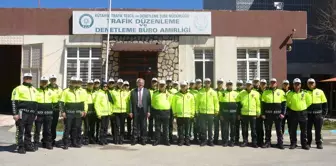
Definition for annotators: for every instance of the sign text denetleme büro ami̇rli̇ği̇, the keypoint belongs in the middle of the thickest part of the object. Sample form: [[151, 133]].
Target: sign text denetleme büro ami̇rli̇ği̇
[[143, 20]]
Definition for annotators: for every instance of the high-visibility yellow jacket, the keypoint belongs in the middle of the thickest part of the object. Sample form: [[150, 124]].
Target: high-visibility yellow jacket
[[249, 103], [161, 100], [298, 101], [183, 105], [207, 101], [120, 98], [102, 104]]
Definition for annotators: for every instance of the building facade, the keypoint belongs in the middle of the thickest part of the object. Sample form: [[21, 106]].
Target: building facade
[[55, 41]]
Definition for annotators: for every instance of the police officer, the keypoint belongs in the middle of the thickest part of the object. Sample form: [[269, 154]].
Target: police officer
[[44, 98], [285, 88], [56, 113], [103, 104], [154, 87], [72, 108], [239, 88], [90, 118], [219, 90], [161, 102], [273, 104], [228, 113], [208, 106], [297, 102], [196, 120], [111, 87], [172, 91], [96, 88], [24, 112], [317, 110], [248, 109], [183, 106], [260, 122], [120, 98]]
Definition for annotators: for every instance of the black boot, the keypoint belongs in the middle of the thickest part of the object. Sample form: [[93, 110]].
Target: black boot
[[30, 148], [36, 146], [254, 145], [244, 144], [21, 150], [280, 146], [319, 146], [225, 144], [231, 144], [187, 142], [266, 145], [292, 146], [203, 143], [305, 147], [155, 143]]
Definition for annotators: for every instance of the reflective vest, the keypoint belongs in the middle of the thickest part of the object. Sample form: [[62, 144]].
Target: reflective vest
[[317, 99], [271, 101], [102, 104], [89, 100], [45, 98], [172, 91], [298, 101], [58, 92], [24, 99], [161, 100], [183, 105], [207, 101], [120, 98], [73, 101], [228, 99], [250, 103]]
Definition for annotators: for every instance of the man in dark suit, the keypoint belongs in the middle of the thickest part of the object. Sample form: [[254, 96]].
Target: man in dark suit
[[140, 102]]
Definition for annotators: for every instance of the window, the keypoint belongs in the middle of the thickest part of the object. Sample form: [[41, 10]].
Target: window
[[84, 63], [32, 62], [252, 63], [204, 65]]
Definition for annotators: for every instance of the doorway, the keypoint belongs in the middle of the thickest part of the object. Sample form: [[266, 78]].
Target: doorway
[[10, 64], [133, 65]]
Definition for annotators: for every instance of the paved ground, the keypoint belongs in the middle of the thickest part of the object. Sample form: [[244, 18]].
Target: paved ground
[[162, 155]]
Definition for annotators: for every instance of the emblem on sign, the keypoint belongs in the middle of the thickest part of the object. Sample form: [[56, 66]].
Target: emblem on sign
[[201, 22], [86, 21]]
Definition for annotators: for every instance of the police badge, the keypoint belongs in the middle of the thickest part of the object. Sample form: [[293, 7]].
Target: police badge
[[278, 93], [302, 95], [317, 93]]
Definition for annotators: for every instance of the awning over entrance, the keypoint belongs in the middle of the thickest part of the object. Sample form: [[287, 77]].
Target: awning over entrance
[[329, 80], [137, 47]]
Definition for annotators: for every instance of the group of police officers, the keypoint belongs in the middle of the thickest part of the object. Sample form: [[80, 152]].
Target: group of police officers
[[197, 108]]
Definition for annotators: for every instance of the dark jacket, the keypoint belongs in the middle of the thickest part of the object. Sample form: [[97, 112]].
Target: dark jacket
[[146, 101]]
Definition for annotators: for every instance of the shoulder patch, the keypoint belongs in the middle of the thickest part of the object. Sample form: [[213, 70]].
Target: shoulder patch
[[14, 92]]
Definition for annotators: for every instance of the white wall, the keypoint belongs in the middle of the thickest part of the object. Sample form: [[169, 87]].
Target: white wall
[[53, 51], [225, 50]]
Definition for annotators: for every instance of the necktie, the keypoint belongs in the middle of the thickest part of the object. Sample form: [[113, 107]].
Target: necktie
[[140, 98]]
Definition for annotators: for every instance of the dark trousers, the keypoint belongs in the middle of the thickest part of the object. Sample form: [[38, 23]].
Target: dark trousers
[[24, 127], [195, 127], [72, 123], [85, 137], [45, 121], [315, 120], [183, 129], [162, 120], [129, 127], [112, 124], [228, 124], [298, 118], [151, 124], [54, 124], [171, 125], [104, 123], [237, 126], [206, 123], [260, 130], [119, 126], [216, 126], [284, 122], [246, 122], [140, 125], [93, 133], [270, 119]]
